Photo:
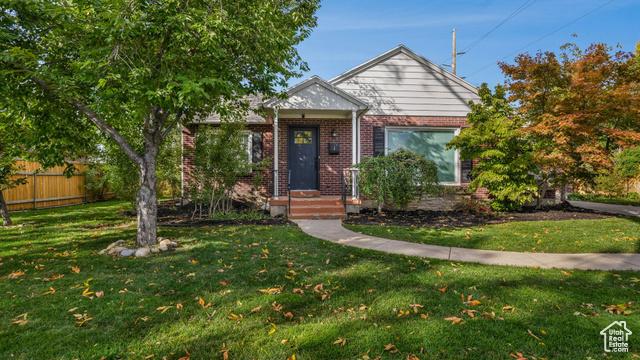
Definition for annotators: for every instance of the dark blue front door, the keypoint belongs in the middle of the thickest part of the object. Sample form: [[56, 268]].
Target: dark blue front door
[[303, 157]]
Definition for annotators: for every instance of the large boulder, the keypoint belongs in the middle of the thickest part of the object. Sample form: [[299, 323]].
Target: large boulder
[[117, 250], [127, 252], [142, 252]]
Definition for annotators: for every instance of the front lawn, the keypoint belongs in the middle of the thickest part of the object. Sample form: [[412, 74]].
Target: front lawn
[[612, 235], [272, 292]]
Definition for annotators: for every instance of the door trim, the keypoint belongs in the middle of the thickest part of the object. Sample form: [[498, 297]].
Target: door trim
[[290, 129]]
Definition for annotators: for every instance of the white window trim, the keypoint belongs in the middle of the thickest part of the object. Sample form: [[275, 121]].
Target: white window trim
[[456, 132], [249, 145]]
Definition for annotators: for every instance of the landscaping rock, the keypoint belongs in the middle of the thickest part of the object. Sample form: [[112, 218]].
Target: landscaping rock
[[103, 251], [165, 242], [173, 245], [155, 250], [127, 252], [142, 252], [163, 248], [117, 250], [114, 244]]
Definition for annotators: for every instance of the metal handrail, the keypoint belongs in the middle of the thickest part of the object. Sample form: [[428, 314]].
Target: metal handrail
[[343, 189], [289, 191]]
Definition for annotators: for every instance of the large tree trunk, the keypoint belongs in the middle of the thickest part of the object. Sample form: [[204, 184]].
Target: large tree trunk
[[6, 220], [147, 201]]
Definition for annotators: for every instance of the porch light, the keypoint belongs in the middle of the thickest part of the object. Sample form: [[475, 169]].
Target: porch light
[[334, 133]]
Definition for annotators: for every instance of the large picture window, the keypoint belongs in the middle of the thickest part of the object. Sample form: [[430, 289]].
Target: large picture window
[[430, 142]]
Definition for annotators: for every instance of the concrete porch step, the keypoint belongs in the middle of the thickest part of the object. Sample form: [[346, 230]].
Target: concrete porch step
[[317, 209]]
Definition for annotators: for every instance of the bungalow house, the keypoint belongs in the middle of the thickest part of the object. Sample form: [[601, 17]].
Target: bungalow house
[[396, 100]]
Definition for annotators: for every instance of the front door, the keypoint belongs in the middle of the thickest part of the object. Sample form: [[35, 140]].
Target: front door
[[303, 157]]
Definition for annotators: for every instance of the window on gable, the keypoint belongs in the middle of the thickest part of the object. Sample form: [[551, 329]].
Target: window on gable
[[430, 142]]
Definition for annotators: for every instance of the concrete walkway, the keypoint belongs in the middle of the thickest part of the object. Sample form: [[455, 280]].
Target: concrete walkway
[[633, 211], [332, 230]]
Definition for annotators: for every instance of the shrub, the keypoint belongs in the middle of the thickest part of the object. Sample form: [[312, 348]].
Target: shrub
[[398, 178], [470, 206]]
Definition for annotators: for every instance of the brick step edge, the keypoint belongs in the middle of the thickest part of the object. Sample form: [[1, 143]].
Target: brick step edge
[[318, 216]]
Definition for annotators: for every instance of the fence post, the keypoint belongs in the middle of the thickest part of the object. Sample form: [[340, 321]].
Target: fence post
[[35, 191], [86, 193]]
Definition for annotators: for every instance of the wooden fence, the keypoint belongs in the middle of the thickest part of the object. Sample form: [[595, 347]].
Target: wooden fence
[[49, 188]]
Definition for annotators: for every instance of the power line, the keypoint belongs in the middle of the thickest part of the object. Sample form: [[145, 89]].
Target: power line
[[544, 37], [517, 11], [520, 9]]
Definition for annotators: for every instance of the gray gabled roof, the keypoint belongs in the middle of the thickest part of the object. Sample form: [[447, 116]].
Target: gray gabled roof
[[402, 49], [316, 80], [254, 116]]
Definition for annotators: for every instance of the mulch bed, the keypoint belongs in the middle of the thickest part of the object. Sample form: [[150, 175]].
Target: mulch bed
[[170, 214], [447, 219]]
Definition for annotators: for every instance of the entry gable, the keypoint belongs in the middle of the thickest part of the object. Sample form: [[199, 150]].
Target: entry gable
[[317, 94], [400, 82]]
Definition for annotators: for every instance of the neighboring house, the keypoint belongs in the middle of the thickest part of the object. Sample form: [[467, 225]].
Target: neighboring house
[[396, 100]]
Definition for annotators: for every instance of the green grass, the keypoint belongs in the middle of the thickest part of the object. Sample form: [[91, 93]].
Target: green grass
[[613, 235], [228, 266], [606, 200]]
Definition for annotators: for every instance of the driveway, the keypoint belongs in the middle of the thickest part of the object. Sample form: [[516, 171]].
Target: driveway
[[610, 208]]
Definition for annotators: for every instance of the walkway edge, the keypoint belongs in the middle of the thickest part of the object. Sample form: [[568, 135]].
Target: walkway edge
[[332, 230]]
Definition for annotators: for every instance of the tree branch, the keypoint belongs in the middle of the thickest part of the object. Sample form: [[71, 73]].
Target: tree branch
[[172, 125], [93, 117]]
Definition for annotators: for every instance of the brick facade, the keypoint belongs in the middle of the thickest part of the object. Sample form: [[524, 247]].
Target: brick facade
[[330, 165]]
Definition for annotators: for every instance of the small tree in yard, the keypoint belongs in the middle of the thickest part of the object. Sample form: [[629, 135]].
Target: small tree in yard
[[506, 165], [220, 159], [398, 178], [125, 68]]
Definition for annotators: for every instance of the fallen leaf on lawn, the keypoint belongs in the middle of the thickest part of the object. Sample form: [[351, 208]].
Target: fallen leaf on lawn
[[565, 273], [327, 262], [225, 354], [16, 274], [507, 308], [201, 302], [180, 305], [534, 335], [415, 307], [193, 261], [438, 272], [292, 357], [518, 356], [272, 330], [390, 348], [86, 292], [443, 289], [75, 269], [340, 341], [20, 320], [73, 309], [224, 283], [424, 316], [235, 317], [271, 291], [473, 302], [52, 291], [163, 308], [298, 291], [454, 320], [99, 294], [318, 288], [288, 315], [256, 309]]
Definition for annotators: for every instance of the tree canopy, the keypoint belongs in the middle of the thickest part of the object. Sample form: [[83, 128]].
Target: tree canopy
[[131, 68], [581, 106]]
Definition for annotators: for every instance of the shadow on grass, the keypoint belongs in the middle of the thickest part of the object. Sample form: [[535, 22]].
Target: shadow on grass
[[229, 266]]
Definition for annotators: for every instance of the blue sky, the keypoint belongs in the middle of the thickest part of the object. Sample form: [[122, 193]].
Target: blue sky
[[351, 32]]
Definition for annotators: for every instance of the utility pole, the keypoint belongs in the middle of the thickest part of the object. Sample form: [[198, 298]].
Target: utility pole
[[454, 52]]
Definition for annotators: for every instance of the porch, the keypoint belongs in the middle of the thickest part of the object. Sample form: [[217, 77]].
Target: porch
[[316, 145]]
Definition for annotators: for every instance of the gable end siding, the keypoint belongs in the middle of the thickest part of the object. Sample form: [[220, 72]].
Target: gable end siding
[[402, 86]]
